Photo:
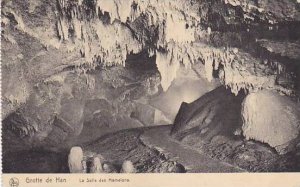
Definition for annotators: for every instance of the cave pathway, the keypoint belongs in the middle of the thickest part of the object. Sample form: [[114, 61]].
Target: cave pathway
[[193, 160]]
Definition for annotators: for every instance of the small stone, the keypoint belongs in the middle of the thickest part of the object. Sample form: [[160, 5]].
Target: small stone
[[238, 132], [209, 30], [84, 166], [108, 168]]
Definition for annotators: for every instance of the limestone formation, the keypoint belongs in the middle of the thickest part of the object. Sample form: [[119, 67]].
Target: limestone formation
[[74, 70], [127, 167], [107, 32], [245, 130], [95, 166], [109, 168], [75, 160], [273, 119]]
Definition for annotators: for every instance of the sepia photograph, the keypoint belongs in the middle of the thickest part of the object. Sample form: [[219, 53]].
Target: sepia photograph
[[149, 86]]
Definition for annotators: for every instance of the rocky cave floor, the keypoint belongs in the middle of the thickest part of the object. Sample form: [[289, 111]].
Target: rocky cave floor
[[153, 150], [114, 149]]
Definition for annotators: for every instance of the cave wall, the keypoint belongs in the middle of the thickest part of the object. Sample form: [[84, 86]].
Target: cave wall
[[49, 48], [239, 39]]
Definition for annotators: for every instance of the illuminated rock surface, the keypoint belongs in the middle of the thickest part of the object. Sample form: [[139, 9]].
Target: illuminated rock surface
[[272, 119]]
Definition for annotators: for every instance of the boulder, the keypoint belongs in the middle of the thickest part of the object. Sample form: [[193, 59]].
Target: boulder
[[271, 118], [215, 113]]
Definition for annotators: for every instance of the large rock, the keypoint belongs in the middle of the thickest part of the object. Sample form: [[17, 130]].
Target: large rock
[[273, 119], [215, 113], [213, 124]]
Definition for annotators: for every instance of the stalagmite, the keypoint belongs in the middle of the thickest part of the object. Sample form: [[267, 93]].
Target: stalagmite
[[127, 167], [75, 160], [109, 168], [96, 166]]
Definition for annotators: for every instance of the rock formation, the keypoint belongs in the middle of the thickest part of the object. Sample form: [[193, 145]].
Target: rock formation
[[75, 160], [109, 168], [73, 70], [95, 165], [127, 167], [232, 129], [273, 119], [203, 29], [213, 114]]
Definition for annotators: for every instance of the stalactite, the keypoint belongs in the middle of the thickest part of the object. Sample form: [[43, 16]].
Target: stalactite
[[80, 29], [167, 68]]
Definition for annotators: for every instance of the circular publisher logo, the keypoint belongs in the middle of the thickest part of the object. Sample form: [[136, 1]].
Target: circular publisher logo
[[14, 182]]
